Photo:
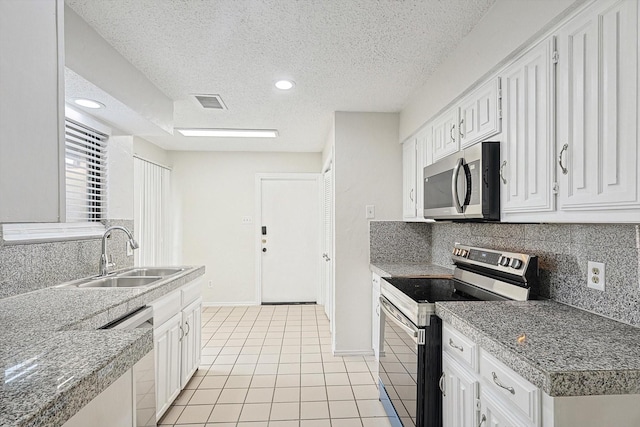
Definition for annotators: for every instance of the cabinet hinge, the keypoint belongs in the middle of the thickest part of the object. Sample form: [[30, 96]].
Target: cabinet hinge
[[555, 57], [478, 406], [555, 188]]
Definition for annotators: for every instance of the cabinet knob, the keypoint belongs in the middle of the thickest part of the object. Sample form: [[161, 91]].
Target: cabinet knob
[[264, 249]]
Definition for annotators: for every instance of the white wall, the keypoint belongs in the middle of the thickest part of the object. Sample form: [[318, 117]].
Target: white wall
[[367, 171], [214, 192], [508, 25], [150, 152]]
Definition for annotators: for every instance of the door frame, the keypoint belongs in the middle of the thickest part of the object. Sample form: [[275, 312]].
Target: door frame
[[260, 177]]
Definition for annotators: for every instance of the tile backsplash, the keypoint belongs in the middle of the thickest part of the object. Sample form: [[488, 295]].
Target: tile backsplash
[[29, 267], [563, 251]]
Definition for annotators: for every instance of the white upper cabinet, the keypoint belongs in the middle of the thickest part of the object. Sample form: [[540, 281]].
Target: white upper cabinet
[[446, 139], [409, 179], [597, 121], [480, 114], [417, 152], [527, 164], [31, 110]]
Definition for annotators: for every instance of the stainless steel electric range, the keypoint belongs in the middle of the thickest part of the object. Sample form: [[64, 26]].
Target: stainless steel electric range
[[410, 363]]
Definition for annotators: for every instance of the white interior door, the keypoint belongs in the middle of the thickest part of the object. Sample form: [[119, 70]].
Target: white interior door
[[290, 238]]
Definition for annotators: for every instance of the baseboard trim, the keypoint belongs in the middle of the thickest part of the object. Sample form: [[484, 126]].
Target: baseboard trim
[[353, 352], [229, 304]]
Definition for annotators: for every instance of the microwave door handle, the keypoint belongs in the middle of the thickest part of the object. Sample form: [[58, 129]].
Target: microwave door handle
[[454, 185]]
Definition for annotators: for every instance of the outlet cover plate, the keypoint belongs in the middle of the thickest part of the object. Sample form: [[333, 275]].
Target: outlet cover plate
[[370, 212], [595, 275]]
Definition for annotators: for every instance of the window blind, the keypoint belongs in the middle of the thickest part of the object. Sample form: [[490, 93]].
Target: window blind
[[86, 180]]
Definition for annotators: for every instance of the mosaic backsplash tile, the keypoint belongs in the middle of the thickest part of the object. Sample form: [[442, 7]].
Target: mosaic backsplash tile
[[563, 249], [26, 268]]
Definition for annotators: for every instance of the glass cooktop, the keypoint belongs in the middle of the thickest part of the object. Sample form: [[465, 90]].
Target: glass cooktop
[[428, 290]]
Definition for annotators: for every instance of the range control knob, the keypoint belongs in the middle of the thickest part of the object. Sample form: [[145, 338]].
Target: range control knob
[[454, 251], [515, 263], [464, 253], [504, 261]]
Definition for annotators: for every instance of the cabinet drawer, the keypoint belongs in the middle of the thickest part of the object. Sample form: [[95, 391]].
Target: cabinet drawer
[[460, 347], [509, 386], [166, 307], [191, 292]]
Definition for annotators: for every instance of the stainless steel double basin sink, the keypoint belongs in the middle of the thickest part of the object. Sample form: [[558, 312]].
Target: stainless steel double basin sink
[[131, 278]]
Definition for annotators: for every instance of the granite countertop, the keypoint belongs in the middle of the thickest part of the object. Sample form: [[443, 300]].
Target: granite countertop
[[567, 351], [55, 361], [408, 269]]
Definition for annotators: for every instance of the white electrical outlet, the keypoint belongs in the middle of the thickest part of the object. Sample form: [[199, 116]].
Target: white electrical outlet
[[595, 275], [210, 283], [370, 211], [247, 220]]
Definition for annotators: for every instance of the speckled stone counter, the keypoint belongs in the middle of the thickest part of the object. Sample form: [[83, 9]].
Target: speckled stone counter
[[54, 361], [407, 269], [567, 351]]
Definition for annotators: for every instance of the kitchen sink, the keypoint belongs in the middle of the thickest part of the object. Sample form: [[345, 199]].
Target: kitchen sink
[[118, 282], [151, 271]]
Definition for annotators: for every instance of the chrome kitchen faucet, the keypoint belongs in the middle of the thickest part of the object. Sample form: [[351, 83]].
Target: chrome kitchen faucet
[[104, 262]]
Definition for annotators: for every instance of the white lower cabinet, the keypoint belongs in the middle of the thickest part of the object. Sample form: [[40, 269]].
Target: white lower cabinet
[[177, 342], [479, 390], [191, 341], [166, 342], [375, 314], [459, 395]]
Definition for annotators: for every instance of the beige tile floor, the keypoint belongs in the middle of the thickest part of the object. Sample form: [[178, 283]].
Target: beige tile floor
[[272, 366]]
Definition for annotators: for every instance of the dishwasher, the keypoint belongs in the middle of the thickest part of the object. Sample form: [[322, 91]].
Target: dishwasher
[[144, 371]]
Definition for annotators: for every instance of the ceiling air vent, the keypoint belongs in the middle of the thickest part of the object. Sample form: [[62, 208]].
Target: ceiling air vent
[[211, 102]]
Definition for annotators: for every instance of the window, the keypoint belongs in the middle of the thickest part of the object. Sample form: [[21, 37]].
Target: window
[[86, 180]]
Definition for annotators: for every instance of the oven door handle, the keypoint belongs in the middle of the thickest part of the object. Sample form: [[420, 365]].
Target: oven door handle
[[416, 333], [454, 185]]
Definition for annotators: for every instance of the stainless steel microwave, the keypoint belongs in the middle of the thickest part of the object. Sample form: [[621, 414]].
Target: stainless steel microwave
[[464, 185]]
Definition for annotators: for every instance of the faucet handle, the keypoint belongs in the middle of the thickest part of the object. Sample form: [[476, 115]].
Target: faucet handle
[[110, 263]]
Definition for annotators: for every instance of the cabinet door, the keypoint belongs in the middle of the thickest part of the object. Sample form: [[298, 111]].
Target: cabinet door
[[480, 114], [597, 108], [409, 179], [375, 314], [424, 141], [445, 134], [191, 342], [459, 395], [527, 167], [166, 342], [32, 140], [495, 413]]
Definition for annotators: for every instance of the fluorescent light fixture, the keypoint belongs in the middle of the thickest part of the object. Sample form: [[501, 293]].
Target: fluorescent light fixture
[[233, 133], [89, 103], [285, 84]]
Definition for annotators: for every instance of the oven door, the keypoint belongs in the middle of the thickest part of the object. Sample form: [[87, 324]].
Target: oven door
[[401, 348]]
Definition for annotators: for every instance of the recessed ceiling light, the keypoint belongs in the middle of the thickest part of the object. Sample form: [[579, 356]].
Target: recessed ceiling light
[[284, 84], [88, 103], [242, 133]]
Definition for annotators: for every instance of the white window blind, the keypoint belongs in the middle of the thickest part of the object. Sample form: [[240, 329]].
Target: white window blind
[[86, 180], [152, 216]]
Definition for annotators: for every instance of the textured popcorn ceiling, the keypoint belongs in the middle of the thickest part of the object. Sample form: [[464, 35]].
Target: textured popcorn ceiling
[[344, 55]]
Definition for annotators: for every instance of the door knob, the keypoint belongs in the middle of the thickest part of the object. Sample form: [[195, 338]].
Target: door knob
[[264, 249]]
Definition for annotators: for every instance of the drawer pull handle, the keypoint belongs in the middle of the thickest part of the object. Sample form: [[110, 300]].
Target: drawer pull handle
[[441, 385], [457, 347], [484, 418], [499, 384]]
